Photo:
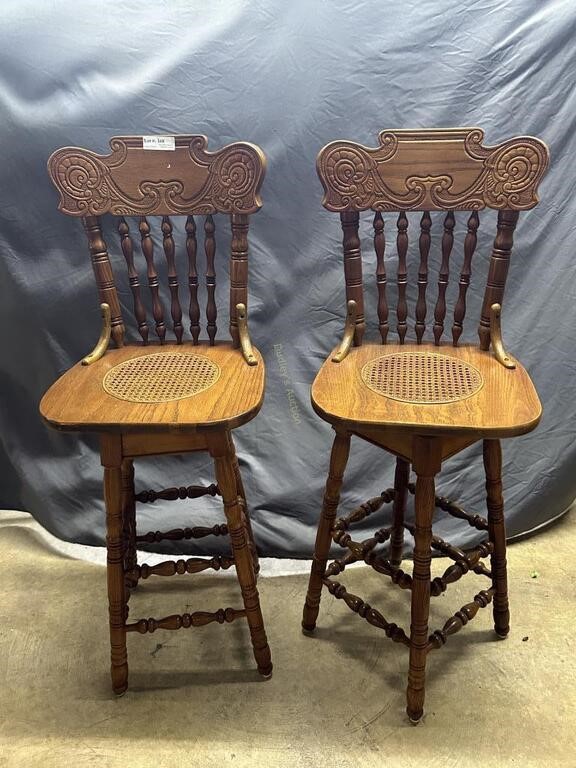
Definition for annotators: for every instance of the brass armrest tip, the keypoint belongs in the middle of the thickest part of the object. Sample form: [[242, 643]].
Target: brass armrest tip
[[104, 340], [496, 338], [244, 336], [348, 336]]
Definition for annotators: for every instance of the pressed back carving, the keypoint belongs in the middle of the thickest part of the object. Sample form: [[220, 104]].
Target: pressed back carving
[[187, 180], [430, 170]]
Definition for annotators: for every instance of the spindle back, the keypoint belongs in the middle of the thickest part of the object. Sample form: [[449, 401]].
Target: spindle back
[[164, 176], [429, 170]]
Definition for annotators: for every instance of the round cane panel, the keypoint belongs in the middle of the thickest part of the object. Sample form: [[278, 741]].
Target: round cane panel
[[421, 377], [161, 377]]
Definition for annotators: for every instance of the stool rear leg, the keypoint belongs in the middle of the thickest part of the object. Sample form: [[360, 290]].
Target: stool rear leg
[[401, 478], [492, 453]]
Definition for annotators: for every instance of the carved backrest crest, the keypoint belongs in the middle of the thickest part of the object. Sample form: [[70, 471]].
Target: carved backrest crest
[[133, 180], [447, 169], [163, 177], [429, 170]]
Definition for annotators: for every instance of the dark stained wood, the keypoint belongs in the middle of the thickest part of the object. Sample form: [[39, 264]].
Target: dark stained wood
[[111, 454], [440, 309], [134, 181], [401, 477], [469, 248], [353, 270], [424, 245], [379, 247], [186, 620], [238, 271], [364, 510], [175, 308], [426, 465], [185, 180], [497, 533], [220, 451], [460, 619], [129, 521], [104, 276], [128, 251], [242, 497], [148, 251], [191, 249], [424, 170], [402, 246], [210, 248], [498, 271], [180, 567], [338, 461], [365, 610], [444, 169], [178, 534], [171, 494]]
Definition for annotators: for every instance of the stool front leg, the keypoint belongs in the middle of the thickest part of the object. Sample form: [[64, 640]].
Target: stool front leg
[[338, 461], [242, 494], [220, 450], [426, 461]]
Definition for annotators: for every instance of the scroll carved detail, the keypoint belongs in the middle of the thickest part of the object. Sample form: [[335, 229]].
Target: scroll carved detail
[[184, 180], [457, 172]]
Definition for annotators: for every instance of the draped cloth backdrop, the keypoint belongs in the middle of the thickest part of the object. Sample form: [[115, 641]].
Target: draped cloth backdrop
[[289, 77]]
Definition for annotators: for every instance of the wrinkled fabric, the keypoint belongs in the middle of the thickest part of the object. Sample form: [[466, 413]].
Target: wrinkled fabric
[[289, 77]]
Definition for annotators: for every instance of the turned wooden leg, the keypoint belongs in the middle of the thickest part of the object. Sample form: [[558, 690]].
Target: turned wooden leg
[[427, 459], [129, 516], [338, 461], [401, 478], [242, 494], [492, 452], [111, 456], [219, 446]]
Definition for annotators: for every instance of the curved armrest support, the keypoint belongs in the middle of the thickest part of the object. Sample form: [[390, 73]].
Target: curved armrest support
[[104, 339], [245, 342], [496, 338], [348, 336]]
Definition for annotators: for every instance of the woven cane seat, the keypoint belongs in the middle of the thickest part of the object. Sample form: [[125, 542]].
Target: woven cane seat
[[161, 378], [421, 377]]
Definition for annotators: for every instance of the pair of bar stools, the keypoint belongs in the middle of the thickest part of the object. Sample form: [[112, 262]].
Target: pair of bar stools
[[423, 402]]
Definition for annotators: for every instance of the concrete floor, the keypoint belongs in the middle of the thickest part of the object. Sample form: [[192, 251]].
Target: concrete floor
[[337, 700]]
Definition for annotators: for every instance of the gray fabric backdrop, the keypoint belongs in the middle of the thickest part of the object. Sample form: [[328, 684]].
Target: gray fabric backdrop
[[289, 77]]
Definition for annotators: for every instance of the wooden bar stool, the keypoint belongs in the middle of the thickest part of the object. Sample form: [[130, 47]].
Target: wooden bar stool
[[149, 398], [423, 402]]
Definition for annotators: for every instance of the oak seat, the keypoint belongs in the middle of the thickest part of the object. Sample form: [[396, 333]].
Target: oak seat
[[234, 399], [505, 405]]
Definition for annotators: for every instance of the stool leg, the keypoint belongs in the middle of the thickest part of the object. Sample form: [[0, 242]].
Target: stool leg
[[129, 515], [242, 494], [427, 459], [401, 477], [111, 456], [219, 446], [492, 452], [338, 461]]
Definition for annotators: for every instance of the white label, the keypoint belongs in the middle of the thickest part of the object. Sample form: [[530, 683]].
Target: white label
[[158, 142]]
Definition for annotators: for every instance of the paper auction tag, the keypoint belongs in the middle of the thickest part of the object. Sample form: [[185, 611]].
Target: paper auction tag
[[158, 142]]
